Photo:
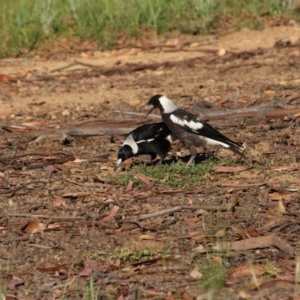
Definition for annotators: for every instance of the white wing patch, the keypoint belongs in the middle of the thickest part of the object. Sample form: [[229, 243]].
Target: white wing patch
[[182, 122], [145, 141], [170, 138], [215, 142], [131, 143]]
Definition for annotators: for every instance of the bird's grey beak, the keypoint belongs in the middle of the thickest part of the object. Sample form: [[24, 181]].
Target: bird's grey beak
[[119, 161], [144, 105], [150, 111]]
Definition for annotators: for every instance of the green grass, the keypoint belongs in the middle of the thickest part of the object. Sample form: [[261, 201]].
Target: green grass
[[214, 276], [175, 174], [26, 23]]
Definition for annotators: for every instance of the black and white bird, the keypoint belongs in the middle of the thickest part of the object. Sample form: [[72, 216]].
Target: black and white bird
[[152, 139], [189, 128]]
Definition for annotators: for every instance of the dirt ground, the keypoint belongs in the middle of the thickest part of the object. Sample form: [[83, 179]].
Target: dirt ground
[[68, 228]]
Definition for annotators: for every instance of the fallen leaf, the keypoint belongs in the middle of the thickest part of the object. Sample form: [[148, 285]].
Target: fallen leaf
[[244, 295], [147, 237], [15, 282], [6, 78], [135, 102], [58, 202], [129, 186], [281, 207], [220, 233], [54, 226], [246, 232], [2, 176], [113, 212], [222, 51], [269, 92], [277, 283], [34, 226], [34, 124], [247, 270], [276, 196], [195, 274], [144, 179], [230, 169], [78, 160], [286, 168], [55, 268], [85, 272], [50, 169]]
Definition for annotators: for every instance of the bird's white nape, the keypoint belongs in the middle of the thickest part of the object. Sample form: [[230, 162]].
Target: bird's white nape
[[131, 143], [167, 105]]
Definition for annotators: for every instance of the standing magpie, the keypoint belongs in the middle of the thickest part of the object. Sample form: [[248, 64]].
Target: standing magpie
[[153, 139], [189, 128]]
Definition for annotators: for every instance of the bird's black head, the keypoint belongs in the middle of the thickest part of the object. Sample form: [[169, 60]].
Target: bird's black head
[[163, 103], [155, 102], [125, 152]]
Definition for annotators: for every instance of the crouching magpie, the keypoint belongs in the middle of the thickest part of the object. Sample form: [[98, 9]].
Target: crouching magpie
[[152, 139], [189, 128]]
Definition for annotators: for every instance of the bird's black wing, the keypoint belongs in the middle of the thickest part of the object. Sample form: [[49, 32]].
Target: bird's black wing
[[151, 131], [193, 124]]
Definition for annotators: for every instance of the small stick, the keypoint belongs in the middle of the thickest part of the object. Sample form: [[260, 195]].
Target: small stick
[[257, 243], [184, 207], [75, 63], [26, 215]]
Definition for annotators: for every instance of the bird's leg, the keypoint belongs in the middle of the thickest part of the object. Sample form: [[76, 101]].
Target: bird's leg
[[193, 151], [154, 159]]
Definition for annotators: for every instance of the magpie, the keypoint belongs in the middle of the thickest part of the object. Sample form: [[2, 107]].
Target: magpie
[[152, 139], [190, 129]]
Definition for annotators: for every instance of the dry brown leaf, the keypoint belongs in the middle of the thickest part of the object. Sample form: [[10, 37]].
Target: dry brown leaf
[[195, 274], [244, 295], [277, 283], [220, 233], [50, 169], [246, 232], [281, 207], [34, 226], [247, 270], [34, 124], [58, 202], [113, 212], [144, 179], [54, 268], [6, 78], [85, 272], [129, 186], [230, 169], [2, 176], [54, 225], [276, 196], [15, 282], [287, 168], [147, 237]]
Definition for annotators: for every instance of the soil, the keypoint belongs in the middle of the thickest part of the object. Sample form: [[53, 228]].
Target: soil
[[67, 228]]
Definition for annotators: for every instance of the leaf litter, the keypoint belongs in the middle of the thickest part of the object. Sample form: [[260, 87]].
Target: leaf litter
[[66, 220]]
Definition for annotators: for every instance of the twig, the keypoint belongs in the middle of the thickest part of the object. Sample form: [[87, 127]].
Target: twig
[[75, 63], [253, 243], [184, 207], [127, 68], [260, 111], [26, 215]]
